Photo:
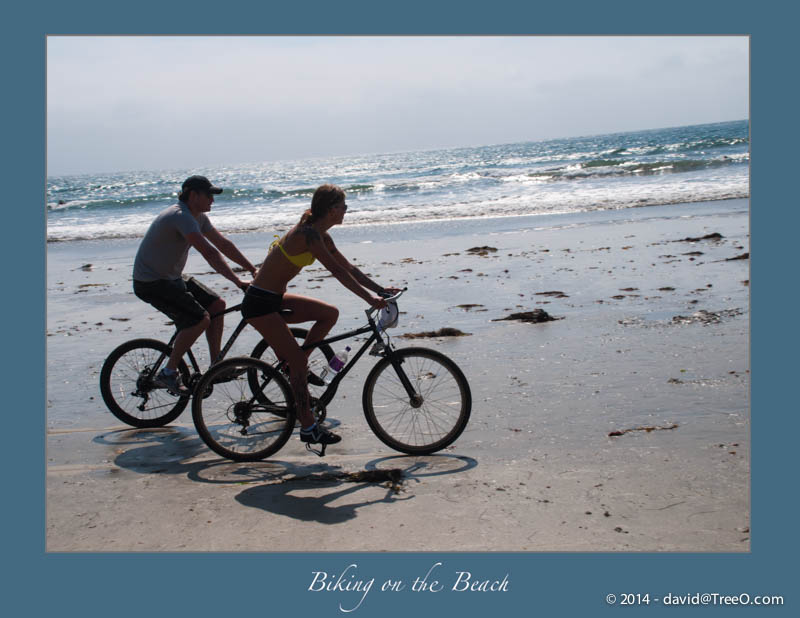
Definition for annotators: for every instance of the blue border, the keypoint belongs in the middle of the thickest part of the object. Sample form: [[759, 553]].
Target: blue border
[[276, 584]]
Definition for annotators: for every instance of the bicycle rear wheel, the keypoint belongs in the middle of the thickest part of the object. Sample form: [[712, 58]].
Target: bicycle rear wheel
[[427, 422], [126, 384], [240, 422]]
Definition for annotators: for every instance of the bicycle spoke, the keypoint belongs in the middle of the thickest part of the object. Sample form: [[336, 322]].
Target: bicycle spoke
[[246, 417], [424, 424], [128, 391]]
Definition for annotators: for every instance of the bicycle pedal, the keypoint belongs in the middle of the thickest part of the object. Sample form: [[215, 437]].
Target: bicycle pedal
[[320, 452]]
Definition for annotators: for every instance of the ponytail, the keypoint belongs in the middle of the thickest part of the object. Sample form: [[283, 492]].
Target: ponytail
[[307, 218]]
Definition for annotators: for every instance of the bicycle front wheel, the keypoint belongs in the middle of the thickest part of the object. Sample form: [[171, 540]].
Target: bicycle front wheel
[[240, 422], [430, 419], [126, 384]]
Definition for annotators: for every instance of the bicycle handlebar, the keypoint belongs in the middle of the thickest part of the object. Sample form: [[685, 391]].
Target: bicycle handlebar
[[386, 298], [395, 297]]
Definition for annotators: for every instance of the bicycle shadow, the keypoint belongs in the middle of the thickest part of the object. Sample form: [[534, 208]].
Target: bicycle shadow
[[419, 466], [156, 450], [311, 491], [165, 450], [286, 498]]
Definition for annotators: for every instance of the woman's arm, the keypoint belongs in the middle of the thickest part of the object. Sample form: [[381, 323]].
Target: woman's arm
[[354, 271], [340, 268]]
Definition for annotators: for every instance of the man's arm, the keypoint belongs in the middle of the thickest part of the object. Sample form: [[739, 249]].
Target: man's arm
[[229, 250], [214, 258]]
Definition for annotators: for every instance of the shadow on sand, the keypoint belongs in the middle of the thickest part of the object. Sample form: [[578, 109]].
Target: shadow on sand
[[305, 492]]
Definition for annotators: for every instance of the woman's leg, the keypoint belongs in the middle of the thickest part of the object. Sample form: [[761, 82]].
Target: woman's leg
[[274, 330], [305, 309]]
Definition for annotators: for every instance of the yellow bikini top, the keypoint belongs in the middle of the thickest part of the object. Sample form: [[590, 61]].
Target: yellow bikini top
[[299, 260]]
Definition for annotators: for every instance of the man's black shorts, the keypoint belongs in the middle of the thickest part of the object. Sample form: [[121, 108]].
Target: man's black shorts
[[184, 300]]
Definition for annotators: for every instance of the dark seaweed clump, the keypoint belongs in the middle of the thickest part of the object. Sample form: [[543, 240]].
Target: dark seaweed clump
[[534, 317], [442, 332]]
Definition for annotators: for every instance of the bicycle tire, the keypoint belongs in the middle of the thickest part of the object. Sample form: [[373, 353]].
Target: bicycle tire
[[232, 421], [124, 385], [437, 421], [319, 358]]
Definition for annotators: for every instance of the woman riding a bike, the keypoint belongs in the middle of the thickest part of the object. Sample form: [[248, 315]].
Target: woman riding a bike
[[301, 246]]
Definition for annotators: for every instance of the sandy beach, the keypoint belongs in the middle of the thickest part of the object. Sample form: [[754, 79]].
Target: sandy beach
[[622, 425]]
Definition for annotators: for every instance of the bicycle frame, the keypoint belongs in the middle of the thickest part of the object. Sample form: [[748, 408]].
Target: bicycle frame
[[329, 393], [222, 353]]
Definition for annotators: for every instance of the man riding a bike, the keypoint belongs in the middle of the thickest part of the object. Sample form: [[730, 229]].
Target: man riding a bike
[[158, 274]]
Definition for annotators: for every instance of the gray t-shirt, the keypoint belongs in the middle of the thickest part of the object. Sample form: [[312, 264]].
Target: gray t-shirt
[[164, 248]]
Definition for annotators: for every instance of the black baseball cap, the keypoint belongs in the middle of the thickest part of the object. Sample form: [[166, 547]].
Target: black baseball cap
[[199, 183]]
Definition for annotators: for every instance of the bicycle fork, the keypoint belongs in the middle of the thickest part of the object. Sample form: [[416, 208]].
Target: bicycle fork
[[415, 399]]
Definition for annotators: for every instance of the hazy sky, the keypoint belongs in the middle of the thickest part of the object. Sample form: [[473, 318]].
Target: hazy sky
[[149, 103]]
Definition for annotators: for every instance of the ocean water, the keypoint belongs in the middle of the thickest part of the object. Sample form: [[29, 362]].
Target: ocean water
[[698, 163]]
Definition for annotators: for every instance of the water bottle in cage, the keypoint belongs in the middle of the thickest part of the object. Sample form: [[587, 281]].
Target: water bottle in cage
[[335, 365]]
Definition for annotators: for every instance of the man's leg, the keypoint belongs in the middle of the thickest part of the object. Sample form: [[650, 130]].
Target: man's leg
[[176, 301], [214, 331], [213, 305], [186, 337]]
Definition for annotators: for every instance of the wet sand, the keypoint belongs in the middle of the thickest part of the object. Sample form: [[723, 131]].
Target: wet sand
[[622, 425]]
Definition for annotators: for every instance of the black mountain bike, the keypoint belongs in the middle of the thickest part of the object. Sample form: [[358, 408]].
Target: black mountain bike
[[126, 379], [415, 400]]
